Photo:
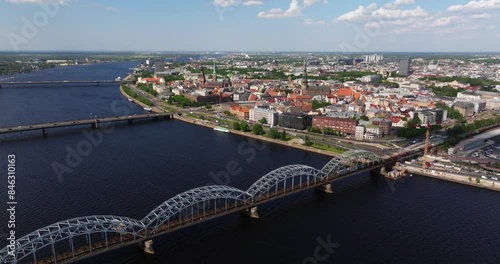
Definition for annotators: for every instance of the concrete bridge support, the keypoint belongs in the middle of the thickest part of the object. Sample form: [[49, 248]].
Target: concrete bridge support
[[147, 246], [327, 188], [94, 125], [381, 171], [45, 132], [252, 212]]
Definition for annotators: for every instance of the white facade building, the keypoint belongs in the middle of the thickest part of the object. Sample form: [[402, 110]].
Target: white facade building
[[257, 114]]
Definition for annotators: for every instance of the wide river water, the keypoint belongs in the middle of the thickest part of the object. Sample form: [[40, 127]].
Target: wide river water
[[136, 168]]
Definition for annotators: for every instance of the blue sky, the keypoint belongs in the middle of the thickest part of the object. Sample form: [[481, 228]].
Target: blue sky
[[251, 25]]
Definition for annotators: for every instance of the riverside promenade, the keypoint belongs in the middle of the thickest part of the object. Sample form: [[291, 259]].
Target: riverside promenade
[[455, 177]]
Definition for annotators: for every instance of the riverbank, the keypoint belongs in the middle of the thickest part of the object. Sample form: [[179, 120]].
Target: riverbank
[[263, 138], [452, 177], [153, 109]]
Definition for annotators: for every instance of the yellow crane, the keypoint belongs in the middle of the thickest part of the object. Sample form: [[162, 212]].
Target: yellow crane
[[426, 146]]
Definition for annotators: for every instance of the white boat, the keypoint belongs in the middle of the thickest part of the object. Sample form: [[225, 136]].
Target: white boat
[[221, 129], [130, 100], [148, 109]]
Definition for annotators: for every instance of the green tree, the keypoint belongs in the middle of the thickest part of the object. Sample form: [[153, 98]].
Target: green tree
[[307, 141], [283, 135], [364, 118], [236, 126], [258, 130], [263, 121], [244, 127], [274, 133], [478, 180], [208, 107]]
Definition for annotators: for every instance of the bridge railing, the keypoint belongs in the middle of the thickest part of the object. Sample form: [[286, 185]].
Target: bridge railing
[[74, 238]]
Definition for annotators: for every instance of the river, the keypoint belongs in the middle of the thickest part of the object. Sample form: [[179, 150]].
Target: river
[[136, 168]]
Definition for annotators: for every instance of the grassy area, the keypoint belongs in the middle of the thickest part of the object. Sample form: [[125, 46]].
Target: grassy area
[[328, 148], [136, 96]]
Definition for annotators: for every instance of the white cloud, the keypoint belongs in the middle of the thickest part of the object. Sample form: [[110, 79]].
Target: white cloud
[[252, 3], [231, 3], [360, 13], [398, 13], [474, 6], [481, 16], [313, 2], [61, 2], [445, 21], [404, 2], [293, 11], [313, 22]]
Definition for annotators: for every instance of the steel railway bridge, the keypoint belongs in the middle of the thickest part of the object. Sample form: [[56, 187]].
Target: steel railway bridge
[[75, 239]]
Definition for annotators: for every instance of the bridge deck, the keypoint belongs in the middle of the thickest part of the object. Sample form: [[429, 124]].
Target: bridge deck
[[116, 242], [83, 122]]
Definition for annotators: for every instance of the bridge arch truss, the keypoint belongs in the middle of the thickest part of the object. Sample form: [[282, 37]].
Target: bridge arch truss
[[73, 237], [281, 180], [193, 205]]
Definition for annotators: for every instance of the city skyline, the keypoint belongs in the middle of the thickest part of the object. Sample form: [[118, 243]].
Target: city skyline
[[249, 25]]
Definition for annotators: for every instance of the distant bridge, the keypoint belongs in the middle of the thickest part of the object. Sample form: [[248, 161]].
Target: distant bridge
[[75, 239], [94, 123], [97, 82]]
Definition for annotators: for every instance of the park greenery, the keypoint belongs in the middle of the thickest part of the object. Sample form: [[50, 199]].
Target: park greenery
[[258, 130], [11, 68], [414, 128], [263, 121], [181, 101], [445, 91], [275, 134], [460, 131], [148, 88], [307, 141], [452, 113], [171, 78], [136, 96], [364, 118], [465, 80], [241, 126], [316, 104]]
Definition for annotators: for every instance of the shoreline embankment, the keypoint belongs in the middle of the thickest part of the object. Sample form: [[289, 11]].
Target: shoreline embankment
[[451, 177]]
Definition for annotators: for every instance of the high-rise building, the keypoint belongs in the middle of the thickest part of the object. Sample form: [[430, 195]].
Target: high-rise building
[[404, 67]]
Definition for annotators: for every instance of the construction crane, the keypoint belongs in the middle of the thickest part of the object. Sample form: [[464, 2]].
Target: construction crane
[[426, 146]]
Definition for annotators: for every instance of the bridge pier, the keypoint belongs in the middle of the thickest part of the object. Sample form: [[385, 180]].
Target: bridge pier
[[382, 171], [45, 132], [147, 246], [252, 212], [327, 188]]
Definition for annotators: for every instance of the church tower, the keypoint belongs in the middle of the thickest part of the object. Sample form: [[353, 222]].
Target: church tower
[[201, 78], [304, 78], [214, 74]]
